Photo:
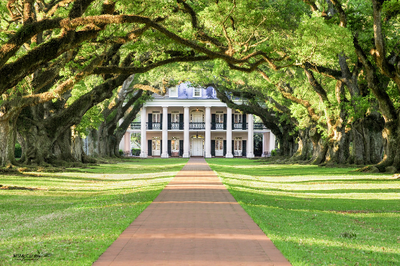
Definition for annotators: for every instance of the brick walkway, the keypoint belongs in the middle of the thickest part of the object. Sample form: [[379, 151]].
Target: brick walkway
[[193, 221]]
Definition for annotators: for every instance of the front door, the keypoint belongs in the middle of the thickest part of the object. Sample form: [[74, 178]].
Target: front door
[[219, 147], [175, 147], [156, 146], [197, 147], [237, 148]]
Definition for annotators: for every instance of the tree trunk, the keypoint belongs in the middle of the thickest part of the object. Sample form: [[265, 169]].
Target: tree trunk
[[367, 140], [105, 149], [92, 140], [76, 145], [62, 147], [387, 107], [7, 142], [114, 146], [360, 147], [287, 144], [391, 135], [304, 149], [104, 143], [338, 147], [39, 146], [110, 131], [320, 147]]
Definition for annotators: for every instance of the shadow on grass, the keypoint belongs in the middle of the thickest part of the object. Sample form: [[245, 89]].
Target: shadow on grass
[[70, 228], [77, 184], [311, 180], [254, 168], [301, 227], [323, 191], [311, 202], [308, 226]]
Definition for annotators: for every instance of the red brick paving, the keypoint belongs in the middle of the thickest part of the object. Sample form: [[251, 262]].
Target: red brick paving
[[193, 221]]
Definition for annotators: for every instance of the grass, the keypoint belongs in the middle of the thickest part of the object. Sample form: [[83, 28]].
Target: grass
[[319, 216], [72, 217]]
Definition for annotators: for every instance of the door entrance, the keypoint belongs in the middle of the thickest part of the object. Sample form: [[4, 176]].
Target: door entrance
[[197, 147], [197, 120], [156, 147], [197, 117], [237, 148], [219, 147]]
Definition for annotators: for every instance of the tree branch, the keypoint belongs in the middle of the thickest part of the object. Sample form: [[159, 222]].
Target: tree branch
[[133, 70], [306, 104]]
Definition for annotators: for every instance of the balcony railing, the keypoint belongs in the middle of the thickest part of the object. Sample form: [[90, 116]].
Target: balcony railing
[[218, 126], [239, 126], [176, 125], [196, 125], [154, 126], [136, 125], [259, 126]]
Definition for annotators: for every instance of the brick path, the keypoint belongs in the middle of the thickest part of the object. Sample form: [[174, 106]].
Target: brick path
[[193, 221]]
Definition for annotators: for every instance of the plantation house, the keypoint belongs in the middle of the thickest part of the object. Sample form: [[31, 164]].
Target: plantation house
[[190, 121]]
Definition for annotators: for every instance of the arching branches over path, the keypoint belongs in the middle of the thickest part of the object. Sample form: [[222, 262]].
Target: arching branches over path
[[316, 55]]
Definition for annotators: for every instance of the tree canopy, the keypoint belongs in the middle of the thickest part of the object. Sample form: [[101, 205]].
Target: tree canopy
[[324, 75]]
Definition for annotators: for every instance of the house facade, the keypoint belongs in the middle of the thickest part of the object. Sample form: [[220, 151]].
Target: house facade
[[191, 121]]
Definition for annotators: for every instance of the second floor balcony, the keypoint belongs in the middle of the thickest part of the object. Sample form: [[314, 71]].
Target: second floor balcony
[[196, 126]]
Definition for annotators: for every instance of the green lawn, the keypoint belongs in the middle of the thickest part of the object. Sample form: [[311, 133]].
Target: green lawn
[[319, 216], [74, 216]]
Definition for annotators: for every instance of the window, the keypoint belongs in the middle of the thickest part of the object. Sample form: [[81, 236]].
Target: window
[[237, 118], [238, 144], [173, 92], [197, 116], [156, 117], [196, 92], [175, 120], [219, 144], [175, 117], [219, 118]]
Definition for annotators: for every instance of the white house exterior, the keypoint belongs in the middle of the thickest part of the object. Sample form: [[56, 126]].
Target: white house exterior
[[191, 121]]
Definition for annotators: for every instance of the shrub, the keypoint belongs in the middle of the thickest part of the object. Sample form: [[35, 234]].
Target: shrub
[[135, 152], [273, 153], [121, 152]]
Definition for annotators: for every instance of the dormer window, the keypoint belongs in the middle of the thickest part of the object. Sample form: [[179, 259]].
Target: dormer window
[[196, 92], [173, 92]]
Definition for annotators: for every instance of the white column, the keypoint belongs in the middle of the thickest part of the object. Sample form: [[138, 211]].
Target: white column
[[266, 149], [165, 133], [271, 142], [250, 136], [229, 133], [127, 143], [208, 133], [143, 130], [186, 138], [121, 144], [263, 145]]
